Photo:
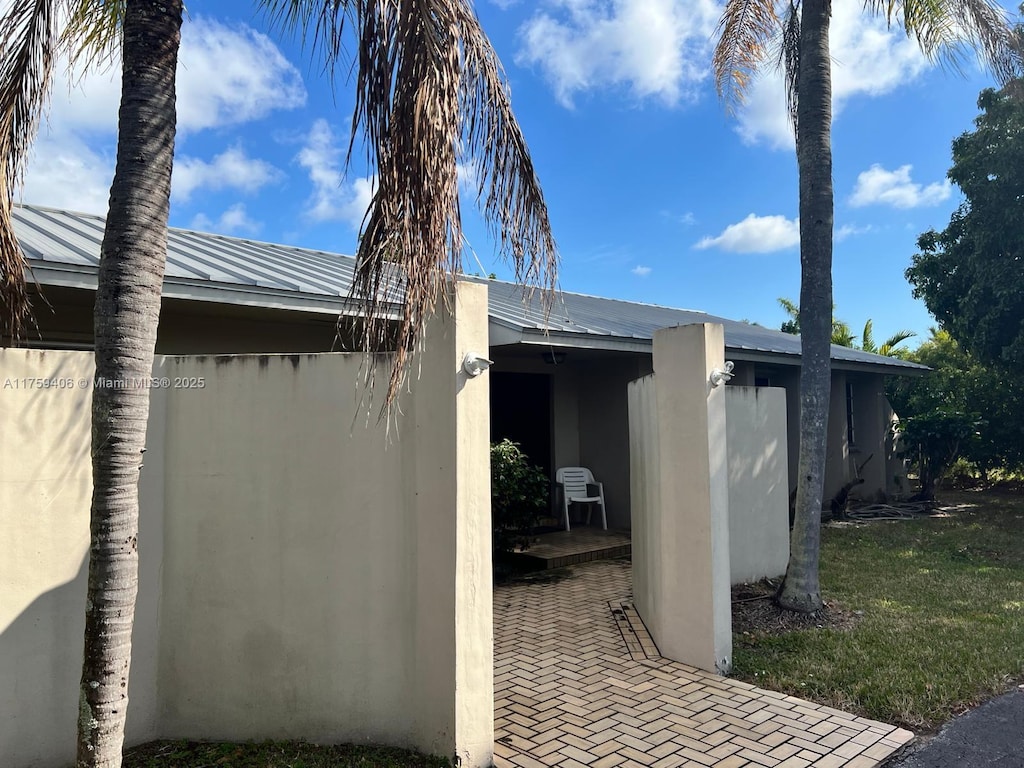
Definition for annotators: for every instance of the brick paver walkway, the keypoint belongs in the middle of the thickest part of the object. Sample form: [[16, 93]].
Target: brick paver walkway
[[579, 682]]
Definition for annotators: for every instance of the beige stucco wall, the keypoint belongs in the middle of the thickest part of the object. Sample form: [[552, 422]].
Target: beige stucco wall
[[319, 581], [758, 482], [681, 570], [45, 492]]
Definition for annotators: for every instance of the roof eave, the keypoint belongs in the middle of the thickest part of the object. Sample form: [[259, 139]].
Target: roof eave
[[48, 273]]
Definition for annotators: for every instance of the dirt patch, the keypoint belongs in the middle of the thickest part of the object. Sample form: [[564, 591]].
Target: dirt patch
[[755, 614]]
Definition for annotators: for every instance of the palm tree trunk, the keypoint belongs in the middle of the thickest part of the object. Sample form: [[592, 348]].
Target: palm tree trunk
[[127, 311], [800, 590]]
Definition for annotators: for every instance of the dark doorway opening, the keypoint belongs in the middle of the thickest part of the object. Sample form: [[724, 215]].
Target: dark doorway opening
[[521, 412]]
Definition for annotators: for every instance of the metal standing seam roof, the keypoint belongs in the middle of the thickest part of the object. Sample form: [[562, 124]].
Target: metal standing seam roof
[[63, 248]]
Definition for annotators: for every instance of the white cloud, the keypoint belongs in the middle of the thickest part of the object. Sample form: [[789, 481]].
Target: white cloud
[[234, 220], [333, 199], [686, 219], [851, 230], [227, 75], [641, 271], [232, 74], [655, 48], [756, 234], [468, 175], [232, 169], [867, 59], [877, 186], [66, 173]]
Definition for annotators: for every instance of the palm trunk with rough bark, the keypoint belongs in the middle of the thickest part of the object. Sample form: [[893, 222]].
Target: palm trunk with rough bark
[[131, 272], [800, 590]]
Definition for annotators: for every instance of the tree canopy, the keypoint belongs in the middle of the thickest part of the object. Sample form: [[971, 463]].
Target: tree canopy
[[989, 398], [970, 274]]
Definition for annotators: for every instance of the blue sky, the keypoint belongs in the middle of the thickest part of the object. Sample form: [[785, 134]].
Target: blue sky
[[656, 194]]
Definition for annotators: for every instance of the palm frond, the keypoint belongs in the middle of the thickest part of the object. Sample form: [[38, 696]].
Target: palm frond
[[947, 29], [890, 344], [841, 334], [320, 24], [430, 93], [790, 308], [27, 46], [92, 35], [867, 339], [789, 58], [745, 33]]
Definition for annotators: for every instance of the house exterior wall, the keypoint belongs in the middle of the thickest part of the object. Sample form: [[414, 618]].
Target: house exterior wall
[[604, 430], [870, 454], [45, 493], [319, 581], [837, 456], [565, 433], [758, 482], [590, 417]]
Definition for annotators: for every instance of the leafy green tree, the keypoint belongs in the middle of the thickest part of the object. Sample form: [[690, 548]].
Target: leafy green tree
[[969, 274], [991, 398], [429, 93], [750, 32], [934, 441]]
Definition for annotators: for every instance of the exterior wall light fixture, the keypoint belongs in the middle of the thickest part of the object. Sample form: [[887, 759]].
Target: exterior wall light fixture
[[474, 364], [719, 376]]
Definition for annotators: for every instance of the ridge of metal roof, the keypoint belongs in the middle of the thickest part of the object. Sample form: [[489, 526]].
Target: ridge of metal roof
[[63, 248]]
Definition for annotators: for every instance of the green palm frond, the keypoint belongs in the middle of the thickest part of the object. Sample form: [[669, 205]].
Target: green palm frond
[[867, 341], [793, 324], [947, 30], [28, 40], [841, 334], [92, 35], [890, 345], [746, 31]]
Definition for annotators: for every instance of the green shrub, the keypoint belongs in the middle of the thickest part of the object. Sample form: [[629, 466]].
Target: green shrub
[[519, 496]]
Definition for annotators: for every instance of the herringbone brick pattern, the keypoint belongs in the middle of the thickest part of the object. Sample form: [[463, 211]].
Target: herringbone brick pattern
[[579, 682]]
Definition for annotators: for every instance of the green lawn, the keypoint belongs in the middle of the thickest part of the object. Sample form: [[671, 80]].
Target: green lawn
[[943, 616], [186, 754]]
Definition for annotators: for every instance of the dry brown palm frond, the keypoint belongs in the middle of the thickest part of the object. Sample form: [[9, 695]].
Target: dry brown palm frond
[[430, 93], [27, 46], [745, 34]]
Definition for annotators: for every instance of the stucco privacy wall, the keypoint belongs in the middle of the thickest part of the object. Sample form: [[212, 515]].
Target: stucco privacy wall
[[45, 492], [758, 482], [321, 583], [680, 498], [318, 582]]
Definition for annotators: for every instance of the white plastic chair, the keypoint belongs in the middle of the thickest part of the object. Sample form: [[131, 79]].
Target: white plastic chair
[[578, 487]]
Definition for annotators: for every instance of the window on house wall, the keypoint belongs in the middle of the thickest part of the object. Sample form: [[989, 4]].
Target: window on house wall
[[849, 415]]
